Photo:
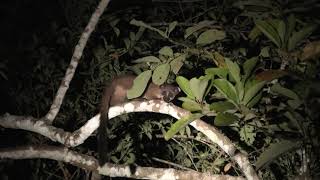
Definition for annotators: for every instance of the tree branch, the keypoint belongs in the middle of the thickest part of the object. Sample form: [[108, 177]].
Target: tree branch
[[78, 137], [90, 163], [55, 107]]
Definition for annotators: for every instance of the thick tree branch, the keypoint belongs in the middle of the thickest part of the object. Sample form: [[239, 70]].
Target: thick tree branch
[[77, 137], [55, 107], [112, 170]]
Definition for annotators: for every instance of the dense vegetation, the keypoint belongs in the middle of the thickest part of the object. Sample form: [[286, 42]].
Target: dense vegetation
[[254, 66]]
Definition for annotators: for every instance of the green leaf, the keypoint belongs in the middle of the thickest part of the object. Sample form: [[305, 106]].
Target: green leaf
[[291, 25], [294, 120], [248, 66], [221, 106], [275, 150], [191, 106], [254, 33], [247, 134], [185, 86], [177, 63], [172, 26], [218, 59], [269, 31], [255, 100], [147, 59], [252, 92], [274, 23], [210, 36], [240, 90], [282, 32], [166, 51], [113, 23], [195, 28], [295, 103], [227, 89], [181, 123], [116, 30], [142, 24], [132, 36], [139, 85], [140, 33], [160, 74], [198, 87], [234, 70], [265, 52], [225, 119], [297, 37], [277, 88], [127, 43], [220, 72]]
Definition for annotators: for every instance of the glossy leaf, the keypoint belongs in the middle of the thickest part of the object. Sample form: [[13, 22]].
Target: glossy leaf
[[265, 52], [195, 28], [185, 86], [221, 106], [248, 66], [177, 63], [252, 92], [219, 60], [240, 90], [220, 72], [181, 123], [269, 31], [255, 100], [142, 24], [275, 150], [277, 88], [191, 106], [225, 119], [254, 33], [147, 59], [233, 69], [198, 87], [160, 74], [139, 85], [140, 33], [172, 26], [210, 36], [227, 89], [282, 32], [166, 51]]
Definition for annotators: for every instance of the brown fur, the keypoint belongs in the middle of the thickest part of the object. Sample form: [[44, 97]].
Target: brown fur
[[116, 93]]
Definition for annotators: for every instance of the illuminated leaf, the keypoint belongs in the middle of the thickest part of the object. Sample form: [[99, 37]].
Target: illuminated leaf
[[210, 36], [181, 123], [160, 74], [225, 119], [139, 85], [185, 86]]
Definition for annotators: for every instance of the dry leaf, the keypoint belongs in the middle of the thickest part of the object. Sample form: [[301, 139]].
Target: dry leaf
[[270, 75]]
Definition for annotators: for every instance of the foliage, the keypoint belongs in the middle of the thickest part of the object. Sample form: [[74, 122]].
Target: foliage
[[224, 56], [243, 95], [283, 34]]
